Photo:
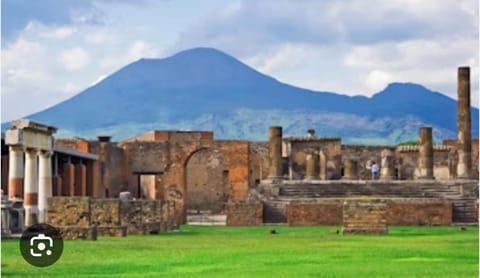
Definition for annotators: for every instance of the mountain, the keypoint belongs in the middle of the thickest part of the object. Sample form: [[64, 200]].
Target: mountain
[[206, 89]]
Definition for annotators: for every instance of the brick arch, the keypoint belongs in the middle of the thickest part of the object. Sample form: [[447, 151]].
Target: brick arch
[[206, 182]]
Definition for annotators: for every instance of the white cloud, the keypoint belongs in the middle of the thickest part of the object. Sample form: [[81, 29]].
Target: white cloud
[[59, 33], [74, 59]]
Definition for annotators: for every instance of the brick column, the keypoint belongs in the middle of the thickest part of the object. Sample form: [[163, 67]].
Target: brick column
[[30, 199], [44, 184], [425, 158], [68, 179], [464, 137], [312, 167], [350, 169], [15, 173], [275, 152], [80, 180]]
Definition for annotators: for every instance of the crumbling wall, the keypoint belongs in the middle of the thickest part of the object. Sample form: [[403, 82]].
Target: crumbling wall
[[110, 217], [258, 163], [295, 149], [364, 155]]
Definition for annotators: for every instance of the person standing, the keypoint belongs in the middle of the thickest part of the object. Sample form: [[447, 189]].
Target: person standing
[[375, 170]]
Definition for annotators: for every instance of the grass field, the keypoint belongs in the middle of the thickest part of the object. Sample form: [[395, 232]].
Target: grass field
[[253, 252]]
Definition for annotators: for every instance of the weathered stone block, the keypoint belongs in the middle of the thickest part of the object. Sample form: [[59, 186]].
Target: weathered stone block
[[69, 211], [364, 216]]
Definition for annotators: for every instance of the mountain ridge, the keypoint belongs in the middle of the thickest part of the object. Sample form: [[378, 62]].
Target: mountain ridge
[[204, 88]]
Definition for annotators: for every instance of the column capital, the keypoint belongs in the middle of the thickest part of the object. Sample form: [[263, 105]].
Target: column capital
[[31, 150], [16, 148], [45, 153]]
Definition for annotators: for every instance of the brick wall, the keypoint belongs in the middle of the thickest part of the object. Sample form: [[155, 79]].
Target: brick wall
[[244, 214], [312, 214], [419, 212]]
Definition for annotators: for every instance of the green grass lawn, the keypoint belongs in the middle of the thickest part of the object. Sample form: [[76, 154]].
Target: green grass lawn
[[254, 252]]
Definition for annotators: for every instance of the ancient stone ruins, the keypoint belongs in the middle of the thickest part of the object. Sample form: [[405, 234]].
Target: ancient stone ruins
[[157, 180]]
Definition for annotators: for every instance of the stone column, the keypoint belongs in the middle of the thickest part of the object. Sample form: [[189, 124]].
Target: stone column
[[312, 167], [15, 173], [44, 184], [425, 158], [387, 166], [275, 152], [323, 165], [350, 169], [464, 137], [30, 199], [68, 179]]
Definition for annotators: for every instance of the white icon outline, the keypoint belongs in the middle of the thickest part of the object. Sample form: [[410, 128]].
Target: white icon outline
[[41, 245]]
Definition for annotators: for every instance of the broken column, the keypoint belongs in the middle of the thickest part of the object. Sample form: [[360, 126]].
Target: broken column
[[15, 173], [387, 166], [464, 139], [312, 166], [30, 199], [425, 158], [275, 152], [350, 169], [44, 183]]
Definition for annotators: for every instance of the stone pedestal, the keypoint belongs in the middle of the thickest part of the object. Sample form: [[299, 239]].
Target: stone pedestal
[[312, 167], [425, 158], [364, 216], [387, 166], [350, 169], [275, 152], [15, 173], [464, 137]]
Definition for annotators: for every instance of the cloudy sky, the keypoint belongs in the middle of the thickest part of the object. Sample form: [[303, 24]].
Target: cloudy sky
[[53, 49]]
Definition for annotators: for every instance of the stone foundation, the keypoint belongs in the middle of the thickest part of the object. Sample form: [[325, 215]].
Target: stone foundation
[[244, 214]]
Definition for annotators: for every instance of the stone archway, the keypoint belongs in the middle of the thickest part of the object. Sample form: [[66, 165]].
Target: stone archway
[[206, 181]]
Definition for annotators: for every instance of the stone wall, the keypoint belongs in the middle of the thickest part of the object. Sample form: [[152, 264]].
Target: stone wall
[[364, 155], [294, 148], [258, 163], [110, 217], [244, 214]]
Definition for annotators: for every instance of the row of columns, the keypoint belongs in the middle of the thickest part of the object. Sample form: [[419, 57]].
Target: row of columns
[[425, 161], [32, 183]]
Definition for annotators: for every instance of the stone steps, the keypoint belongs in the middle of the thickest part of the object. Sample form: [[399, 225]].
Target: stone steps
[[465, 210]]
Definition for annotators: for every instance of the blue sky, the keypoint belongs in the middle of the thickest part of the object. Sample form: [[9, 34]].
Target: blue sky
[[53, 49]]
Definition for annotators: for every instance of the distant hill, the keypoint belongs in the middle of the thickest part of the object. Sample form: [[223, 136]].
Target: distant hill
[[206, 89]]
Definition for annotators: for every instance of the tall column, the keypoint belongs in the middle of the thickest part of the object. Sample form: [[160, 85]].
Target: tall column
[[15, 173], [425, 159], [464, 137], [350, 169], [387, 167], [312, 167], [80, 180], [30, 199], [323, 165], [275, 152], [44, 184]]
